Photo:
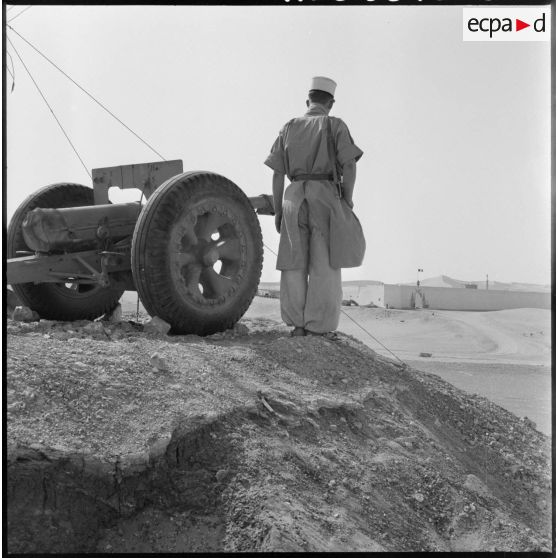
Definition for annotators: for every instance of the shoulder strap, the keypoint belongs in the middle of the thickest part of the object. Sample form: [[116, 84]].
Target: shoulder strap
[[332, 157], [285, 154]]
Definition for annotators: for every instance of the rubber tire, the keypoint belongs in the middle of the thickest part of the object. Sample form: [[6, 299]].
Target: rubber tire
[[54, 301], [151, 265]]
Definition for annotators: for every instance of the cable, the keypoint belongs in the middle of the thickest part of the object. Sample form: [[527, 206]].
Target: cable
[[368, 333], [50, 108], [12, 73], [17, 15], [87, 93], [354, 321], [12, 61], [270, 249]]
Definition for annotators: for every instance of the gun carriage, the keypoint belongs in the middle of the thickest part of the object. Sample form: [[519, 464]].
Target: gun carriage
[[193, 251]]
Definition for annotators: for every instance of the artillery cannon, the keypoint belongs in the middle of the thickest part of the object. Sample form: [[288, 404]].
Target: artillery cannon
[[193, 251]]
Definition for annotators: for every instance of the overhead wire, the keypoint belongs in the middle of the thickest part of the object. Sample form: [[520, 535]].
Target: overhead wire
[[50, 108], [11, 61], [12, 72], [270, 249], [368, 333], [17, 15], [87, 93]]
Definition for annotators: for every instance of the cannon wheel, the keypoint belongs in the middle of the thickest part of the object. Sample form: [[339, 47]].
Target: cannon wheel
[[59, 301], [197, 253]]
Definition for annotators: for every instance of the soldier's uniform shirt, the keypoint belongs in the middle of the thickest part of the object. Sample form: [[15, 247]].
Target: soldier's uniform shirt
[[310, 287]]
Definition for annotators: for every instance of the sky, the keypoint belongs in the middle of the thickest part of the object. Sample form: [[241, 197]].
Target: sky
[[455, 176]]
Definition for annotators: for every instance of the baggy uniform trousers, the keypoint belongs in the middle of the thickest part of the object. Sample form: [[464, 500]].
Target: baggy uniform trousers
[[311, 295]]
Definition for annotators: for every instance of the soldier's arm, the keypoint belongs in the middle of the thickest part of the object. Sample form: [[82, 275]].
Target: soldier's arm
[[278, 187], [347, 156], [349, 178]]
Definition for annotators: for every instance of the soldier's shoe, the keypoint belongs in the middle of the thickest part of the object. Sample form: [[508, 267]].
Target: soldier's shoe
[[298, 332]]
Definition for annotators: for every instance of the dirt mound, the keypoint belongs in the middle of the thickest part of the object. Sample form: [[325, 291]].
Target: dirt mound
[[123, 441]]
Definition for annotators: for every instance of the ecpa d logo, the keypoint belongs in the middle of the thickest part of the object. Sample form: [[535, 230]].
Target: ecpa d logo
[[506, 24]]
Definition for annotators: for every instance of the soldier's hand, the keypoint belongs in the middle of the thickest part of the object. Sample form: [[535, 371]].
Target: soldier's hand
[[278, 219]]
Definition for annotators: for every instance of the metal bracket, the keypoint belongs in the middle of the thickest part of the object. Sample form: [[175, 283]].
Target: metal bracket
[[145, 176], [263, 204], [67, 268], [100, 278]]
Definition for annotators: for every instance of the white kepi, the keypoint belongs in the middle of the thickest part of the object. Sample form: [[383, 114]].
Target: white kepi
[[324, 84]]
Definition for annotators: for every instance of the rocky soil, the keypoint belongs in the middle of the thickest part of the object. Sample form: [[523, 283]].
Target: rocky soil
[[126, 440]]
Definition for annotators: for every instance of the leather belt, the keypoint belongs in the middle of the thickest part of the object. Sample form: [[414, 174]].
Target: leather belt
[[312, 177]]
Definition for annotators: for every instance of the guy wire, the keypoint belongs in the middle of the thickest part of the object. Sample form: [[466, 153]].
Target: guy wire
[[12, 71], [87, 93], [17, 15], [353, 320], [367, 332], [50, 108]]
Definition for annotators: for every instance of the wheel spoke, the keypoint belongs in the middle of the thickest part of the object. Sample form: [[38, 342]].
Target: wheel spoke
[[189, 236], [183, 258], [217, 284], [193, 277], [229, 249], [208, 224]]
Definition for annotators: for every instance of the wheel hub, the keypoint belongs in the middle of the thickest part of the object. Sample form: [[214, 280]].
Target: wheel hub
[[208, 254], [197, 253], [210, 257]]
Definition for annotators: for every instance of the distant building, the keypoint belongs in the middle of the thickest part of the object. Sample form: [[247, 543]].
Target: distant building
[[443, 298]]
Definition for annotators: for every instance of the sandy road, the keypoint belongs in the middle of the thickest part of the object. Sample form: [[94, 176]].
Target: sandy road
[[519, 336], [504, 356], [508, 336]]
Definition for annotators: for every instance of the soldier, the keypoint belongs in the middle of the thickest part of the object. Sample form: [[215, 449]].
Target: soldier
[[311, 291]]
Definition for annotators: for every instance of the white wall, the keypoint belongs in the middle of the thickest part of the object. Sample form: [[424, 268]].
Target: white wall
[[440, 298]]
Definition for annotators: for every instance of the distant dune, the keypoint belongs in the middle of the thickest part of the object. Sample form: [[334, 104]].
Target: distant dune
[[445, 281], [441, 281]]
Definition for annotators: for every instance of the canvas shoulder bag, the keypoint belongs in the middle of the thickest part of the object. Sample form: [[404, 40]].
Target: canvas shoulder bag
[[347, 244]]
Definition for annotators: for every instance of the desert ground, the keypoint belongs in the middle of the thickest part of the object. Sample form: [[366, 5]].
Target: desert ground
[[121, 438], [504, 355]]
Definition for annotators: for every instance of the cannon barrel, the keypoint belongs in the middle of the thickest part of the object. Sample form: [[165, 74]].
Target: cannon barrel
[[82, 228], [78, 228]]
